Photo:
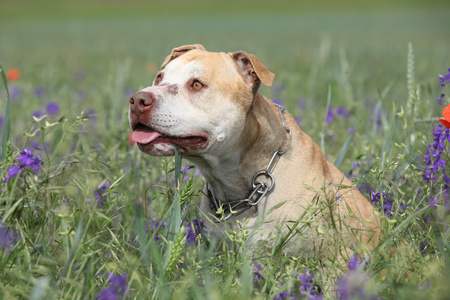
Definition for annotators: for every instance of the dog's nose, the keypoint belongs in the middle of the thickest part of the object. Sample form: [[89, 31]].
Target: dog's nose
[[142, 101]]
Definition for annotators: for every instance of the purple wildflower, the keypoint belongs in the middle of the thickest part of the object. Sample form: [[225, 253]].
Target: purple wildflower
[[351, 130], [433, 201], [423, 246], [192, 231], [40, 91], [101, 194], [279, 88], [307, 289], [283, 296], [26, 159], [14, 92], [80, 95], [435, 164], [129, 92], [12, 172], [440, 98], [256, 272], [355, 285], [353, 263], [444, 79], [116, 289], [330, 116], [386, 204], [277, 101], [342, 112], [424, 287], [301, 103], [8, 237], [153, 226], [91, 114], [37, 114], [2, 120], [52, 108]]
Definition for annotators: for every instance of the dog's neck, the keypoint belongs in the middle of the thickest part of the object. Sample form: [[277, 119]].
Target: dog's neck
[[229, 174]]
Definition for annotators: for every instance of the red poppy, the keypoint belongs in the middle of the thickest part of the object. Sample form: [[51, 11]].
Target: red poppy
[[446, 120], [13, 74], [130, 134]]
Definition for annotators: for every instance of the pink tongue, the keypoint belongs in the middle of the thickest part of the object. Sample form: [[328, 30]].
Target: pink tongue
[[144, 135]]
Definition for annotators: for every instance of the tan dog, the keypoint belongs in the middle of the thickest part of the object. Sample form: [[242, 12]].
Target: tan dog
[[207, 105]]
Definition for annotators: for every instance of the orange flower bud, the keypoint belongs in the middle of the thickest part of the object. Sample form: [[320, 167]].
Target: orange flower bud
[[13, 74]]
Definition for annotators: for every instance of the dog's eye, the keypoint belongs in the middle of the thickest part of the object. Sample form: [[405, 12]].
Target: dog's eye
[[196, 85], [158, 78]]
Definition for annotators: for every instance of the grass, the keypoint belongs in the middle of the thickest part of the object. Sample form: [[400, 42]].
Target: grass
[[72, 230]]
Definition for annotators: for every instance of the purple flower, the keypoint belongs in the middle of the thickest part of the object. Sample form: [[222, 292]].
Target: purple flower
[[424, 287], [277, 101], [52, 108], [440, 98], [301, 103], [386, 205], [330, 116], [283, 296], [8, 237], [12, 172], [256, 272], [37, 114], [355, 285], [129, 92], [353, 263], [116, 288], [14, 92], [101, 194], [40, 91], [27, 158], [444, 79], [80, 95], [435, 164], [307, 287], [91, 114], [341, 111], [433, 201], [2, 120], [351, 130], [423, 246], [153, 226], [306, 290], [279, 88], [192, 231]]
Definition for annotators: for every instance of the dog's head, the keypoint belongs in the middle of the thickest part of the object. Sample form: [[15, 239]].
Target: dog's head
[[197, 102]]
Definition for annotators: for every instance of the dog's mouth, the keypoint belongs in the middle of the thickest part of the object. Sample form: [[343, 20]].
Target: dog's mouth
[[145, 135]]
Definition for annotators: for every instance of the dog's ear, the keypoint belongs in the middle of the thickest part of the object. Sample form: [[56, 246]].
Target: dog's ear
[[179, 51], [252, 69]]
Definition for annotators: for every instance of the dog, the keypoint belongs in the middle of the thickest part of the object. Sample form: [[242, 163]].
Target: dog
[[262, 172]]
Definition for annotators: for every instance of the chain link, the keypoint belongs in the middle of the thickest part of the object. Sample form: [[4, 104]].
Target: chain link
[[260, 188]]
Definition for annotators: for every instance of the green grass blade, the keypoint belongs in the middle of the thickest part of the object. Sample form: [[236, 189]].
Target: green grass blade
[[343, 151], [322, 138], [178, 159], [6, 130], [387, 142]]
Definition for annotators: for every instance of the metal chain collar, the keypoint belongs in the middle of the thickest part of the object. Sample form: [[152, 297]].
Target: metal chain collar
[[260, 189]]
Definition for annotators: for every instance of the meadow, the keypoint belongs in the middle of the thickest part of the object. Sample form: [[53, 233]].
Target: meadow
[[85, 215]]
